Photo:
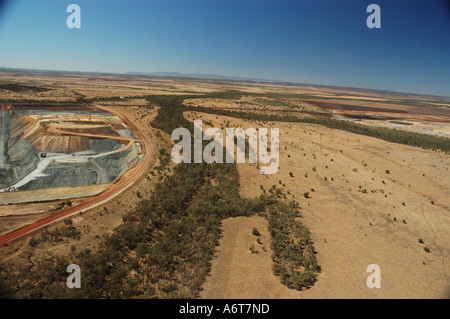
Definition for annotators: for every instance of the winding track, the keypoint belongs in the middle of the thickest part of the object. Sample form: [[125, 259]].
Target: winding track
[[122, 182]]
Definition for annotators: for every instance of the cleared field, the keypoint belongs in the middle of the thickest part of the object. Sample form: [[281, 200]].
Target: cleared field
[[238, 273], [381, 107], [359, 214]]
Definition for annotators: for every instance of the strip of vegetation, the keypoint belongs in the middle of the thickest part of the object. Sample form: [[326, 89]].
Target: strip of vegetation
[[293, 251], [19, 88]]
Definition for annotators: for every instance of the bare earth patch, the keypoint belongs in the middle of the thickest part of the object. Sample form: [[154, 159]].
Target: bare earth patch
[[371, 201], [238, 273]]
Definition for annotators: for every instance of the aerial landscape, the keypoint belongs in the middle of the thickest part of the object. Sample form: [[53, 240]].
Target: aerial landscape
[[89, 177]]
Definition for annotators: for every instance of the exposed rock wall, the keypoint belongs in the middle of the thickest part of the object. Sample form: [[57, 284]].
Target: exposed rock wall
[[20, 158]]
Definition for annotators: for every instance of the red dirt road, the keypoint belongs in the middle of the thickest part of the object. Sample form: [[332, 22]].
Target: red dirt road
[[123, 182]]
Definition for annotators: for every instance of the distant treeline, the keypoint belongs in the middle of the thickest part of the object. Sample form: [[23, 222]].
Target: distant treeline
[[19, 88]]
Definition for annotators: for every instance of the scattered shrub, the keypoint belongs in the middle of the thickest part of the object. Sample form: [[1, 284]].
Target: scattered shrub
[[255, 232]]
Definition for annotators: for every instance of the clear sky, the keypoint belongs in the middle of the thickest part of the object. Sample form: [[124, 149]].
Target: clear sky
[[307, 41]]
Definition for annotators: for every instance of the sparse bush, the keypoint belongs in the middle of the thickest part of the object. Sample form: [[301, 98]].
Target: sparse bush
[[255, 232], [33, 242]]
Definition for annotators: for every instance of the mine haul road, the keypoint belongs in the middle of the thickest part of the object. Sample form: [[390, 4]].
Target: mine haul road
[[122, 182]]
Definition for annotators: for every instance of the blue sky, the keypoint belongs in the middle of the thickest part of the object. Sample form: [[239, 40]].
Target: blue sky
[[307, 41]]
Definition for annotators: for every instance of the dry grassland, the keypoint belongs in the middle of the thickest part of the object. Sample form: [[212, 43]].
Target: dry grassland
[[360, 215]]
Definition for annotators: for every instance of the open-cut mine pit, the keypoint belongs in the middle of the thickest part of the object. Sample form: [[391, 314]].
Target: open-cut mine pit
[[43, 150]]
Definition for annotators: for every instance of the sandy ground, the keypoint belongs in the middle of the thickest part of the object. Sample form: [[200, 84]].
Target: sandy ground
[[351, 228], [239, 273]]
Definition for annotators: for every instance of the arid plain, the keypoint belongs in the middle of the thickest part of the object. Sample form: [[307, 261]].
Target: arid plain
[[369, 201]]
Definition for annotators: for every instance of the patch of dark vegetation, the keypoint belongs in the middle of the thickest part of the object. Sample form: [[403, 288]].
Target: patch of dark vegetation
[[401, 123], [20, 88], [347, 107], [59, 234], [368, 117], [293, 251]]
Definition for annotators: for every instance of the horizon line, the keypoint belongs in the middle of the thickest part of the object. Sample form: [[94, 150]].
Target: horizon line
[[222, 78]]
